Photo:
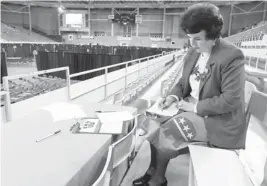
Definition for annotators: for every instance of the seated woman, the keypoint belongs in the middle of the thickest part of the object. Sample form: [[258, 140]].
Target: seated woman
[[210, 94]]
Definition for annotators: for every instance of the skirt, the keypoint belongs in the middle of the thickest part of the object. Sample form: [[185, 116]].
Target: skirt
[[177, 132]]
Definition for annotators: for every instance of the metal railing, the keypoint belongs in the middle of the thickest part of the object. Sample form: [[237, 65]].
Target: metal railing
[[6, 79], [126, 73]]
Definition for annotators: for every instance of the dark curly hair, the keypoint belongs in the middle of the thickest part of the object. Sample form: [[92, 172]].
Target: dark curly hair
[[202, 17]]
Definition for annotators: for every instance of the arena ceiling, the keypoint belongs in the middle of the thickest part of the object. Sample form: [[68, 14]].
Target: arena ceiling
[[79, 4]]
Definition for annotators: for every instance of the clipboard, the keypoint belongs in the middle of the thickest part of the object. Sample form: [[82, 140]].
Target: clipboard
[[103, 123]]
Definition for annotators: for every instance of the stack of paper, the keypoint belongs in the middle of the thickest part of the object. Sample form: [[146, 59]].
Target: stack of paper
[[64, 111], [170, 111], [112, 122]]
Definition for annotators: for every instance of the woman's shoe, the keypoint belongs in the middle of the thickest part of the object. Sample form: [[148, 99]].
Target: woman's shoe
[[142, 181], [165, 183]]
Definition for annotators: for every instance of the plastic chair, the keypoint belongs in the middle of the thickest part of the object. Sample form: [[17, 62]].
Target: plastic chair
[[105, 176], [118, 98], [123, 148]]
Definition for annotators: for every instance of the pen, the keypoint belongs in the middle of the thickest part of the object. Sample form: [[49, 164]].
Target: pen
[[52, 134], [99, 111], [163, 104]]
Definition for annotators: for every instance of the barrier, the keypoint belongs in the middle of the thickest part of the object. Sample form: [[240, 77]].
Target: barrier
[[142, 66]]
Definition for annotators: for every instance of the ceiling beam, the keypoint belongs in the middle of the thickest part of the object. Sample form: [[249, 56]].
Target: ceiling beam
[[110, 4], [81, 4]]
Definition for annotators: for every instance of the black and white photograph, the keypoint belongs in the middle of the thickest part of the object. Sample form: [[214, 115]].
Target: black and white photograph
[[133, 93]]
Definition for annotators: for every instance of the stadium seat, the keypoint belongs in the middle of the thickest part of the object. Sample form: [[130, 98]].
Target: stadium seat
[[118, 98], [105, 176], [123, 149]]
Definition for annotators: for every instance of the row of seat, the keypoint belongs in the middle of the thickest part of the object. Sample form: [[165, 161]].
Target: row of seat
[[254, 34], [256, 62], [16, 33], [25, 88], [135, 89], [167, 84], [258, 44]]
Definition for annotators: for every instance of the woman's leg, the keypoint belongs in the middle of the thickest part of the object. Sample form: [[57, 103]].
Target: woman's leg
[[159, 173], [153, 160], [171, 140]]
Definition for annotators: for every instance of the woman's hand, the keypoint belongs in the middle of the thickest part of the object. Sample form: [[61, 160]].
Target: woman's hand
[[166, 102], [186, 106]]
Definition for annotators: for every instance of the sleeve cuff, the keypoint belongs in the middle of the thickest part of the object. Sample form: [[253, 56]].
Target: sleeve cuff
[[195, 108], [175, 97]]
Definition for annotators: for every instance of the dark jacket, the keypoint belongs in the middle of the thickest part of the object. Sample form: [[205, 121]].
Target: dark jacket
[[221, 94]]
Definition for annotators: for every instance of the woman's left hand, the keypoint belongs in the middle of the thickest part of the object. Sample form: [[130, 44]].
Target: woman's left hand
[[186, 106]]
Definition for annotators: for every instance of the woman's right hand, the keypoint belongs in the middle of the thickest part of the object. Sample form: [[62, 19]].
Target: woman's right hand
[[166, 102]]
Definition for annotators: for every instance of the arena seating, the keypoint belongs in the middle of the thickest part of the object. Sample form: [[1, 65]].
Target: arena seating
[[253, 43], [25, 88], [143, 41], [137, 88], [11, 33], [251, 38]]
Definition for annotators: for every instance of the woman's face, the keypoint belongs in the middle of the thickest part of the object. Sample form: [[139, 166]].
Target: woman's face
[[200, 43]]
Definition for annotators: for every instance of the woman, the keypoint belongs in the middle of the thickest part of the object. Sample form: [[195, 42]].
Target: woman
[[210, 93]]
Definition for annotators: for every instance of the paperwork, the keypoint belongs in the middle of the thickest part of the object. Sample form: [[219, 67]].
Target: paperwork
[[64, 111], [112, 122], [171, 111]]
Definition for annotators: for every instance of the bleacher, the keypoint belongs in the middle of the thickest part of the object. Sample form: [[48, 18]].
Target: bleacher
[[25, 88], [11, 33], [253, 38], [253, 43], [143, 41]]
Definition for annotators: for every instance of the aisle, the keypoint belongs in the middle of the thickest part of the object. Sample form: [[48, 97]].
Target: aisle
[[177, 171]]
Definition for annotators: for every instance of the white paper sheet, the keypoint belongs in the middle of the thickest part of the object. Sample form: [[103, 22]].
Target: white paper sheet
[[171, 111], [112, 122], [113, 127], [106, 117], [63, 111]]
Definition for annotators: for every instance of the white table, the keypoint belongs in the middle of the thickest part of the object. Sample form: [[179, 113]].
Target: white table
[[64, 159]]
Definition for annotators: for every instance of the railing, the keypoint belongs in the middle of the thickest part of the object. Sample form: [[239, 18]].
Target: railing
[[8, 78], [7, 103], [147, 66], [126, 74]]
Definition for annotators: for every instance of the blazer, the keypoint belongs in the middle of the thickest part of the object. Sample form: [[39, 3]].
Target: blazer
[[221, 94]]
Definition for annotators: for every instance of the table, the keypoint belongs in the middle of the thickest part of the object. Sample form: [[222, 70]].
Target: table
[[64, 159]]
